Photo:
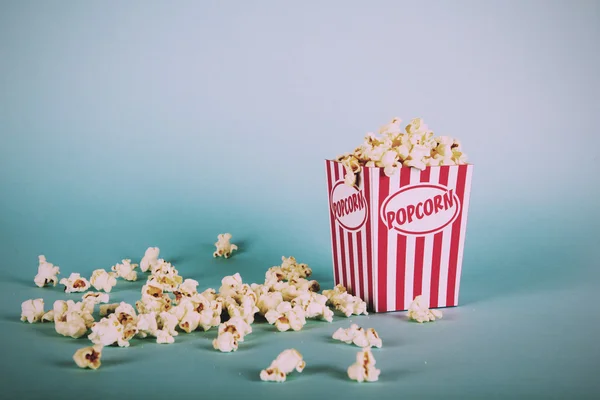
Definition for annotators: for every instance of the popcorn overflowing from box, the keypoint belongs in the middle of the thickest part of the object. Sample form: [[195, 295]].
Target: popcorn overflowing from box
[[398, 213]]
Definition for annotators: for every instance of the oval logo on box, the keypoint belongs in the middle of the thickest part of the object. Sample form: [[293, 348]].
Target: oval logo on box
[[420, 209], [348, 205]]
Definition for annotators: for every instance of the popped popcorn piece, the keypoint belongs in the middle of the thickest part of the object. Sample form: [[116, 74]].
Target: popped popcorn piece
[[125, 270], [75, 283], [364, 368], [166, 276], [289, 269], [345, 302], [164, 337], [359, 336], [106, 309], [420, 312], [108, 331], [102, 280], [150, 259], [286, 362], [95, 297], [314, 305], [237, 326], [244, 308], [72, 319], [70, 324], [88, 357], [47, 273], [286, 317], [191, 319], [32, 310], [125, 314], [186, 289], [269, 301], [230, 285], [48, 317], [225, 342], [168, 323], [224, 248], [153, 299], [147, 325]]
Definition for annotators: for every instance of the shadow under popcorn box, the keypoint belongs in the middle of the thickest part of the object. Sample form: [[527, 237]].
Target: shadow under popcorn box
[[394, 238]]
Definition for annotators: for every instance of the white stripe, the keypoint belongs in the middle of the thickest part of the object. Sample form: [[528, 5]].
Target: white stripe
[[337, 236], [463, 228], [355, 284], [411, 242], [346, 255], [392, 262], [374, 176], [428, 249], [365, 265], [446, 242]]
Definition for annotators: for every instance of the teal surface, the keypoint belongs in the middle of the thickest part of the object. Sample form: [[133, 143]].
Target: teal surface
[[125, 125]]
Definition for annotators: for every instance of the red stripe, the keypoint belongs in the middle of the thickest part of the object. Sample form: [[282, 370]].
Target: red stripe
[[437, 251], [455, 240], [420, 249], [401, 250], [382, 237], [360, 286], [340, 172], [336, 278], [352, 283], [367, 180]]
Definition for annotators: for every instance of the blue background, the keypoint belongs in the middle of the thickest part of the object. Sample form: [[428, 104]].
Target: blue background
[[133, 124]]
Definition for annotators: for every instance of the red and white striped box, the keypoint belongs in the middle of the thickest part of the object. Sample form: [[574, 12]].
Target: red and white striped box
[[396, 237]]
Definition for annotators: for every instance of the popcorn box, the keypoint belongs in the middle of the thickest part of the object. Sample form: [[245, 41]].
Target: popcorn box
[[394, 238]]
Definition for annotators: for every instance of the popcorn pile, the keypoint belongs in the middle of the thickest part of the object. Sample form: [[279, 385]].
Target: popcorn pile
[[414, 146], [170, 305]]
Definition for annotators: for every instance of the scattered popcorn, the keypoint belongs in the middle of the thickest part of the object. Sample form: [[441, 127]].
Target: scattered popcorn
[[286, 362], [358, 336], [47, 273], [413, 147], [75, 283], [364, 368], [224, 248], [108, 331], [269, 301], [71, 324], [32, 310], [420, 312], [165, 276], [286, 317], [230, 285], [88, 357], [102, 280], [186, 289], [237, 326], [48, 317], [95, 297], [125, 270], [313, 305], [106, 309], [164, 337], [345, 302], [127, 317], [168, 323], [245, 308], [150, 259], [225, 342]]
